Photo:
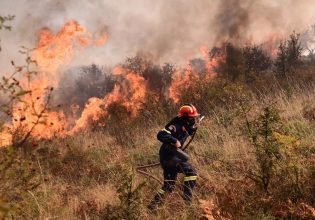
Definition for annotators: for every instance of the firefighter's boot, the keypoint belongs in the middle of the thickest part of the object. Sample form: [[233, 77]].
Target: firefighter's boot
[[157, 200]]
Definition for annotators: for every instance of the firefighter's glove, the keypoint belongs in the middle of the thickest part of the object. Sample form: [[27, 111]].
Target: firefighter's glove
[[178, 144]]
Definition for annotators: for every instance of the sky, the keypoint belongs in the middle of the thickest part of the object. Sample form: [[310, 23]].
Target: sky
[[164, 30]]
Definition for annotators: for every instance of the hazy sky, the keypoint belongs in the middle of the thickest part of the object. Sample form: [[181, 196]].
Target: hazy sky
[[170, 30]]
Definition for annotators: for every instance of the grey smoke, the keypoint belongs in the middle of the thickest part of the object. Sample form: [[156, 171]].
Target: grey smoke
[[167, 30]]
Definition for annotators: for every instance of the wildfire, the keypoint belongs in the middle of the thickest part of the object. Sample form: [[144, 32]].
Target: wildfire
[[271, 42], [211, 62], [52, 52], [55, 51], [100, 41], [5, 136], [129, 91], [182, 79]]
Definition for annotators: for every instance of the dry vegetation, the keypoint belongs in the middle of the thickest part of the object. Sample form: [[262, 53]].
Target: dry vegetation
[[254, 153], [88, 176]]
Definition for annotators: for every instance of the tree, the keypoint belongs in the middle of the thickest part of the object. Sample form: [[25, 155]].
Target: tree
[[87, 81], [157, 77], [289, 55], [233, 67], [294, 50], [281, 60], [256, 60]]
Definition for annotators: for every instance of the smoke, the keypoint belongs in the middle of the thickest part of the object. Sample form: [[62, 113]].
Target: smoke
[[168, 31], [248, 21], [77, 85], [176, 31]]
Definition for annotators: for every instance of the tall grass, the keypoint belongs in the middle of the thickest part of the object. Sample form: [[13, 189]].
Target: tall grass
[[83, 177]]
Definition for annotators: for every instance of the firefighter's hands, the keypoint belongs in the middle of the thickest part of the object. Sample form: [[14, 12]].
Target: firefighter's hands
[[198, 121], [195, 126], [178, 144]]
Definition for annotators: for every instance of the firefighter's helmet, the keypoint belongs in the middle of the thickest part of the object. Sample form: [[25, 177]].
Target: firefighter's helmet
[[188, 110]]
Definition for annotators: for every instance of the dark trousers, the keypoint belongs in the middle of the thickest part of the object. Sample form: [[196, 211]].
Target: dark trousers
[[170, 170]]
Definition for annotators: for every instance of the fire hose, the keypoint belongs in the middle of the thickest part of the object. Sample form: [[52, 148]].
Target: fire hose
[[140, 169]]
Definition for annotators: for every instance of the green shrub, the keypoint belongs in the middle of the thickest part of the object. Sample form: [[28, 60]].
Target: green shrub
[[19, 175], [129, 194]]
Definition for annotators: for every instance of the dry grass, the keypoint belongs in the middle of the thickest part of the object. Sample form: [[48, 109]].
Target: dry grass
[[81, 179]]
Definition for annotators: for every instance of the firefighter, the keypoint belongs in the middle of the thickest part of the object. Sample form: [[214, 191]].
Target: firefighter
[[173, 137]]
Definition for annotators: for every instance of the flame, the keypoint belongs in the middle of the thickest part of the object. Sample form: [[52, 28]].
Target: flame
[[211, 62], [100, 41], [5, 136], [180, 81], [183, 79], [93, 111], [52, 52], [56, 50], [204, 50], [130, 92], [271, 44]]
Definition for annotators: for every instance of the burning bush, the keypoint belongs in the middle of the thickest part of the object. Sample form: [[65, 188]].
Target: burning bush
[[79, 85], [128, 103]]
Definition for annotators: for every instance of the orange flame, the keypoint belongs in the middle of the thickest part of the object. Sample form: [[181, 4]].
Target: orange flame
[[211, 63], [100, 41], [53, 52], [5, 136], [271, 44], [183, 79], [180, 81], [130, 93], [56, 50]]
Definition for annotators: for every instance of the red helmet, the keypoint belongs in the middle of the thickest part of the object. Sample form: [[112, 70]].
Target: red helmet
[[188, 110]]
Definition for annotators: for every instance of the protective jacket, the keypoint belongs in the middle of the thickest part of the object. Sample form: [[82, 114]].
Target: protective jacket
[[177, 129]]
